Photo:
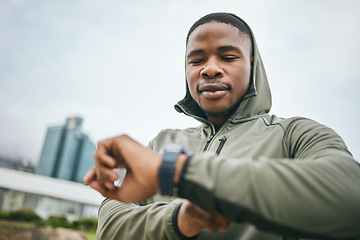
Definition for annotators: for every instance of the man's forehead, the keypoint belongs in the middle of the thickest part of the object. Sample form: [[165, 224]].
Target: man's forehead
[[215, 29], [220, 35]]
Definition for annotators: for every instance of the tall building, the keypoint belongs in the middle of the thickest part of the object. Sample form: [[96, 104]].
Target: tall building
[[67, 153]]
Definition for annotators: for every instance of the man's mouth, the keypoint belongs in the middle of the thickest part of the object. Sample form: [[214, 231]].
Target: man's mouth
[[213, 91]]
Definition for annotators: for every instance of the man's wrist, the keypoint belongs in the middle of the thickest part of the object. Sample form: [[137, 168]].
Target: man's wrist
[[174, 157]]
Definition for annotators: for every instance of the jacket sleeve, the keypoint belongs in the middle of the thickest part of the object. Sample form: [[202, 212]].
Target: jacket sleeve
[[131, 221], [314, 193]]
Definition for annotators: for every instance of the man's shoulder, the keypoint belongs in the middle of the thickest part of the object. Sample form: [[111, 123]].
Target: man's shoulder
[[177, 131], [296, 124], [287, 121], [300, 126]]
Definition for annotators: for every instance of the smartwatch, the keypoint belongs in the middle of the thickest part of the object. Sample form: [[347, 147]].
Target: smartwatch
[[167, 169]]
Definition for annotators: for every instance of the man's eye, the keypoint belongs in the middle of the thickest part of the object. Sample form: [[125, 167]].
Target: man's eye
[[229, 58], [197, 61]]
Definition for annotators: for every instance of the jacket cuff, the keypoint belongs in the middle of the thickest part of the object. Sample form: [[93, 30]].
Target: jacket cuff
[[182, 182], [176, 227]]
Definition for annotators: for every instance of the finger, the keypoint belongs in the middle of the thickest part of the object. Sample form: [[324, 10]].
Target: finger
[[223, 222], [104, 165], [89, 176], [96, 185], [111, 194], [126, 148], [102, 157], [106, 177], [109, 185], [104, 173]]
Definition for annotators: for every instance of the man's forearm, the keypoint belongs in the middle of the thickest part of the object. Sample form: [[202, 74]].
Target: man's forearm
[[119, 220]]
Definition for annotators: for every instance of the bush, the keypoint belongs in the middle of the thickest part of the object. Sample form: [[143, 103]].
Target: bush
[[58, 221], [86, 224], [23, 214], [4, 215], [29, 215]]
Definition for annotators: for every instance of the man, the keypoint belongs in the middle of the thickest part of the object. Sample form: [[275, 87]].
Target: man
[[242, 172]]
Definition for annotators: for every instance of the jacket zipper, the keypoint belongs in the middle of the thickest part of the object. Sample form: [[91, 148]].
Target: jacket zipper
[[208, 142], [221, 145]]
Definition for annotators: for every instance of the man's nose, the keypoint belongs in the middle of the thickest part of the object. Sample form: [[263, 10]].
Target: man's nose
[[212, 69]]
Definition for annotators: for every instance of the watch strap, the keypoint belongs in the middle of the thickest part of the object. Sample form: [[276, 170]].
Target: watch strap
[[167, 170]]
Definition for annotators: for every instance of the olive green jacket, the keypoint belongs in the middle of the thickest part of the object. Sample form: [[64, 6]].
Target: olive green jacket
[[275, 178]]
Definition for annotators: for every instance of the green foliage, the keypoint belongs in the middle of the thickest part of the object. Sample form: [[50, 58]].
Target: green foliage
[[22, 214], [86, 224], [29, 216], [4, 215], [82, 224], [58, 221]]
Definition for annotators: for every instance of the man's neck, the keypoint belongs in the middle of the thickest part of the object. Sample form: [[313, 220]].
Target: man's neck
[[217, 122]]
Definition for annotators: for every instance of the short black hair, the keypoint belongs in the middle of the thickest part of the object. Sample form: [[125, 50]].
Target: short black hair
[[222, 17]]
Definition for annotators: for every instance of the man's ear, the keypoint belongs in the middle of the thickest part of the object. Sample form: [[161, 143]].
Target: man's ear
[[251, 62]]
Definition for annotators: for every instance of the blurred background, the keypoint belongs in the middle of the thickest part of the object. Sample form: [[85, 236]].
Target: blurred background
[[119, 65], [75, 72]]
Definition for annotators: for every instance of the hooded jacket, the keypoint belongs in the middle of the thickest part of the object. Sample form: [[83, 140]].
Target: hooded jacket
[[275, 178]]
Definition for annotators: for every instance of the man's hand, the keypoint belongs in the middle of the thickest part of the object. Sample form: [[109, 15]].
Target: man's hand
[[142, 164], [192, 219]]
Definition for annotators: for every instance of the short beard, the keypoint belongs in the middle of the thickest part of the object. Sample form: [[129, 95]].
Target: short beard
[[226, 113]]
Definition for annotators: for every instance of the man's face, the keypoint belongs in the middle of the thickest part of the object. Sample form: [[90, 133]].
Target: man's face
[[218, 67]]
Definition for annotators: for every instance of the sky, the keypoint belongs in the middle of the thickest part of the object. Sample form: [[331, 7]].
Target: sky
[[120, 65]]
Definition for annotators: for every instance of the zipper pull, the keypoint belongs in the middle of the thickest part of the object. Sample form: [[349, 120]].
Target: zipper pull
[[208, 142], [221, 145]]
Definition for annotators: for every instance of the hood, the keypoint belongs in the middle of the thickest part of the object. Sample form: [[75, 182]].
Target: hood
[[256, 101]]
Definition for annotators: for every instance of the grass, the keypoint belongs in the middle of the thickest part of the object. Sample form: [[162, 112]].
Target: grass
[[6, 223], [26, 225], [90, 236]]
